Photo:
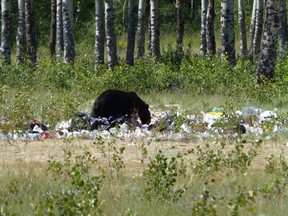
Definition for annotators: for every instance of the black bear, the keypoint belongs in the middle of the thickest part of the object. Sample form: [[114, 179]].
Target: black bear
[[115, 102]]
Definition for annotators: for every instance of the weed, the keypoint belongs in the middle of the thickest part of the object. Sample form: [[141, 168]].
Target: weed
[[161, 177], [78, 192], [112, 154]]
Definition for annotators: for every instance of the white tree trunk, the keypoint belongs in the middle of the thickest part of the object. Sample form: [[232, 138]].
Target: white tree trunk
[[59, 30], [99, 33], [258, 28], [155, 32], [242, 27], [5, 32], [21, 33], [141, 29], [203, 42]]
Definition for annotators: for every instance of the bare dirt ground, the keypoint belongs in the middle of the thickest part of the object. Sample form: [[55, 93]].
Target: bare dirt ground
[[16, 151]]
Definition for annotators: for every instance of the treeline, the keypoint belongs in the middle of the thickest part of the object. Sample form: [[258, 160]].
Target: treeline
[[66, 21]]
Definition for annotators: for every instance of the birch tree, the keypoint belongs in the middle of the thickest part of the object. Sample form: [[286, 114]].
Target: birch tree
[[30, 32], [111, 34], [269, 42], [68, 35], [180, 25], [227, 30], [258, 28], [59, 30], [203, 42], [5, 32], [53, 28], [131, 32], [252, 25], [21, 33], [283, 30], [99, 33], [210, 38], [141, 29], [155, 31], [242, 27]]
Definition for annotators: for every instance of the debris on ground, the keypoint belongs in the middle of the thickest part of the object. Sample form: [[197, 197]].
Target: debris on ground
[[169, 125]]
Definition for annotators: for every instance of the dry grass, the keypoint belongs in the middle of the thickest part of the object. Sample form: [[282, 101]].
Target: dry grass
[[40, 151]]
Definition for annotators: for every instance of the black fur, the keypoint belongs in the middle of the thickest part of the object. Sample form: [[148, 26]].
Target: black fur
[[115, 102]]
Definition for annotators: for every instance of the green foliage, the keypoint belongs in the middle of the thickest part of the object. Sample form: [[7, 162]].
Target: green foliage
[[205, 204], [242, 199], [161, 177], [113, 154], [212, 160], [79, 190]]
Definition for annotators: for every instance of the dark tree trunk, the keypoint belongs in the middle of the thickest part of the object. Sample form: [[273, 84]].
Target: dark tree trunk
[[30, 32], [283, 31], [53, 28], [131, 32], [141, 29], [211, 43], [5, 32], [68, 35], [269, 42], [227, 30], [99, 33], [180, 25]]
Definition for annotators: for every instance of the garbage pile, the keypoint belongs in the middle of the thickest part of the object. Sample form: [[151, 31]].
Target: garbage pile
[[168, 125]]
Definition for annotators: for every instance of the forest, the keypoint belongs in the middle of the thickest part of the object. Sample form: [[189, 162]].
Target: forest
[[187, 60]]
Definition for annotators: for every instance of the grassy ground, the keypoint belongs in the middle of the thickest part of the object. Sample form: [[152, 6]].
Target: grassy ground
[[253, 191]]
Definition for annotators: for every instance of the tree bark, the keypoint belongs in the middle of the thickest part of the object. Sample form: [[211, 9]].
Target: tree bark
[[131, 32], [5, 32], [68, 35], [99, 33], [252, 25], [30, 33], [141, 29], [59, 30], [242, 28], [203, 42], [155, 31], [258, 28], [283, 30], [268, 55], [21, 33], [110, 34], [210, 38], [53, 28], [227, 30], [180, 25]]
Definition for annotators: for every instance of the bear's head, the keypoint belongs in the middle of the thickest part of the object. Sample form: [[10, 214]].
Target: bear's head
[[144, 114]]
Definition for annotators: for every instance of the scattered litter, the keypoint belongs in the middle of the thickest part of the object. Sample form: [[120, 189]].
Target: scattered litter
[[166, 125]]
